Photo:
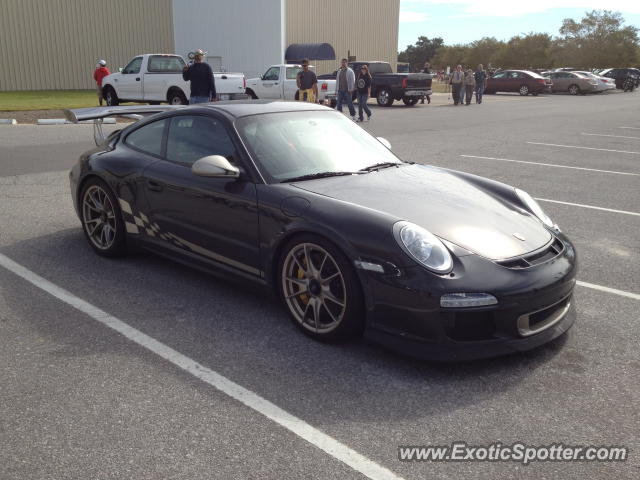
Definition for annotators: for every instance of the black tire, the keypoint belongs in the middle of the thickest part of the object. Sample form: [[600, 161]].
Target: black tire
[[107, 221], [176, 97], [346, 320], [573, 89], [523, 90], [110, 97], [251, 94], [384, 97], [410, 101]]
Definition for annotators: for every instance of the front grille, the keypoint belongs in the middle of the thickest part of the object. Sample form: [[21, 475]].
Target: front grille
[[550, 252]]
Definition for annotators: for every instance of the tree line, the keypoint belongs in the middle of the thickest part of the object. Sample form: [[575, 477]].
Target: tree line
[[599, 40]]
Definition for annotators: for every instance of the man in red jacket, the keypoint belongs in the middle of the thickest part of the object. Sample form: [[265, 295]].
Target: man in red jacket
[[99, 73]]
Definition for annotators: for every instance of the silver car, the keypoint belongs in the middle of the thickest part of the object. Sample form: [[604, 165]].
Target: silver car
[[572, 82], [604, 83]]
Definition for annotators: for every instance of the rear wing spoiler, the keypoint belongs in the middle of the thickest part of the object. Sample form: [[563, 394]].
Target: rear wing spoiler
[[98, 114]]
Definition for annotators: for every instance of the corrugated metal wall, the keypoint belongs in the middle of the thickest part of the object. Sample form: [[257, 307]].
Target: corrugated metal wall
[[55, 44], [246, 34], [368, 29]]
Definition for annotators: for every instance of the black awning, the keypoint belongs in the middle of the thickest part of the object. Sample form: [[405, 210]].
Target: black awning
[[296, 52]]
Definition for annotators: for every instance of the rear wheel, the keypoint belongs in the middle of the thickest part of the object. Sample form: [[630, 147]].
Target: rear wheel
[[573, 89], [524, 90], [102, 219], [410, 101], [384, 97], [110, 97], [320, 289], [176, 97]]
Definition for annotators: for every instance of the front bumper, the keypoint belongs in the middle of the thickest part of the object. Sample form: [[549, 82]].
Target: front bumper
[[535, 306]]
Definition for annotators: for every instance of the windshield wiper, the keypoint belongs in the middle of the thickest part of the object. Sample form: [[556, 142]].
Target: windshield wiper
[[312, 176], [379, 166]]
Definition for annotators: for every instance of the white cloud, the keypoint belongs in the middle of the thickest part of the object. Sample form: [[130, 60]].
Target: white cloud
[[412, 17], [511, 8]]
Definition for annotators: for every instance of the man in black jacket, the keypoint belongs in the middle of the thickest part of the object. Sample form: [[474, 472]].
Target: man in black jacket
[[203, 87]]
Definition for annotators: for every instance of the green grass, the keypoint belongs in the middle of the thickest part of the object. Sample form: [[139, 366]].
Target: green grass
[[47, 99]]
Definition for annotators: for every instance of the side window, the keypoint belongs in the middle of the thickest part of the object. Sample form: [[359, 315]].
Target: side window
[[515, 75], [272, 74], [148, 138], [165, 64], [292, 72], [193, 137], [133, 66], [500, 75]]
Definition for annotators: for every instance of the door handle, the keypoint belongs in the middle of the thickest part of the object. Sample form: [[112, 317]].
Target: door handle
[[156, 187], [137, 79], [276, 83]]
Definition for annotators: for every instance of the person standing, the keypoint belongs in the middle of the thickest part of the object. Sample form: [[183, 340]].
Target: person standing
[[481, 82], [469, 84], [426, 69], [199, 73], [457, 84], [345, 85], [99, 73], [363, 83], [307, 83]]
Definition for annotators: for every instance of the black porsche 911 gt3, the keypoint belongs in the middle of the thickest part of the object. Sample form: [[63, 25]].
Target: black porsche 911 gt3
[[431, 262]]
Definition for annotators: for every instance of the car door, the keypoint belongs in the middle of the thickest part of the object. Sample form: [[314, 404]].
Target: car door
[[290, 83], [129, 85], [497, 82], [214, 220], [514, 81], [162, 72], [269, 85]]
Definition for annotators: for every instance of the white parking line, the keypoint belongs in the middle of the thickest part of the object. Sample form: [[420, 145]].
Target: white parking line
[[589, 206], [583, 148], [551, 165], [631, 128], [615, 291], [605, 135], [252, 400]]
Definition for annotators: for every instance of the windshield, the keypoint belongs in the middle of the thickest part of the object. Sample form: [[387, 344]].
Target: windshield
[[293, 144]]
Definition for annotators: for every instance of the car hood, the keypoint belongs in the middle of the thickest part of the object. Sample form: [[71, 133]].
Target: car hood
[[448, 206]]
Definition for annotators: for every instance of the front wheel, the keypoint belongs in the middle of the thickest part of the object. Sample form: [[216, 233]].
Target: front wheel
[[524, 90], [110, 97], [410, 101], [102, 219], [384, 97], [320, 289]]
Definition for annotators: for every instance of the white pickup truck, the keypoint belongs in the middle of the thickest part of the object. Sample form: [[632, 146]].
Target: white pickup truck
[[155, 78], [279, 82]]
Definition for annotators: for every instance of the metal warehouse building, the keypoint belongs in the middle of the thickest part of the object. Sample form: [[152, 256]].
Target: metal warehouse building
[[55, 44]]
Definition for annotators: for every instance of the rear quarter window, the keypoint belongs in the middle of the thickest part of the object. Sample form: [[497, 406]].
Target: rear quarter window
[[148, 138]]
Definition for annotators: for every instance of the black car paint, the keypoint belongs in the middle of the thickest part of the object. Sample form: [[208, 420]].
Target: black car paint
[[402, 304]]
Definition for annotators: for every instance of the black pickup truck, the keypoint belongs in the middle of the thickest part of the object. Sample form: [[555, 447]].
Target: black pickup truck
[[387, 86]]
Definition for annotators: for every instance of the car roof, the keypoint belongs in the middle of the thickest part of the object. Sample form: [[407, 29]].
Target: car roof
[[243, 108]]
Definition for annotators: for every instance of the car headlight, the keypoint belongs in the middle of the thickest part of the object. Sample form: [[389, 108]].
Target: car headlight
[[423, 246], [536, 209]]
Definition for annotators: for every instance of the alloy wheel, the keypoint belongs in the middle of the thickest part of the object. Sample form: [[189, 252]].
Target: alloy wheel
[[98, 216], [314, 288]]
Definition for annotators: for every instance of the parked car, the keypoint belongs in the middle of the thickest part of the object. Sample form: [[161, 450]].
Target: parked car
[[524, 82], [386, 86], [619, 75], [279, 82], [572, 82], [604, 83], [437, 263], [155, 78]]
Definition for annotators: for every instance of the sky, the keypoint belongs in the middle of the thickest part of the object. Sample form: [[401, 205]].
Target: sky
[[462, 21]]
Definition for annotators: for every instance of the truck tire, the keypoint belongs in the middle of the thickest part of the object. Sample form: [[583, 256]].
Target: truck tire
[[110, 97], [410, 101], [384, 97], [176, 97]]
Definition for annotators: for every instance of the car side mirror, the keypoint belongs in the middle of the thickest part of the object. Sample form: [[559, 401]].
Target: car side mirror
[[385, 142], [215, 166], [120, 69], [261, 77]]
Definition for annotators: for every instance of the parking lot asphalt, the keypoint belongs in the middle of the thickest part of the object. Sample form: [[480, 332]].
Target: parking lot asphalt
[[78, 400]]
